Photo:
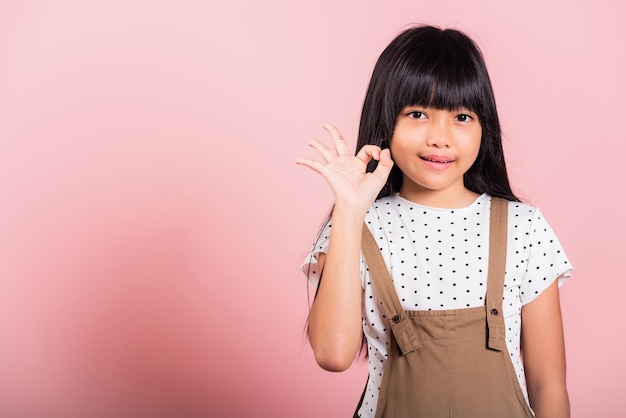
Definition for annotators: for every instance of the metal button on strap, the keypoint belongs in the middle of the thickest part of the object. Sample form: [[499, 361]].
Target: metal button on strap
[[494, 312], [395, 319]]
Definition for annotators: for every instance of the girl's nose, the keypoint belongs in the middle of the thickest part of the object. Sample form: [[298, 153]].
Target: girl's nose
[[439, 135]]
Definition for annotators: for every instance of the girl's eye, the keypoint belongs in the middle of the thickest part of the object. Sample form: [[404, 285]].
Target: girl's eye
[[463, 117], [416, 114]]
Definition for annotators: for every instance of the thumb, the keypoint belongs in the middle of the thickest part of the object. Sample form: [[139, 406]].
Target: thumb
[[385, 164]]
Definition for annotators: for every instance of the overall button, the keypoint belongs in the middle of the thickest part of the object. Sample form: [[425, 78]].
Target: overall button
[[494, 312], [395, 319]]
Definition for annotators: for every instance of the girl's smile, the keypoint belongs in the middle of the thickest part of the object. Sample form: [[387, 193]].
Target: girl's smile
[[434, 148], [437, 162]]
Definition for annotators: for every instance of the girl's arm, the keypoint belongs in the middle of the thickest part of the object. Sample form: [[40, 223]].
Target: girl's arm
[[335, 329], [335, 318], [543, 351]]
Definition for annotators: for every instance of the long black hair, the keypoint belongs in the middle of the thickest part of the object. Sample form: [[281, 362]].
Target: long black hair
[[441, 68]]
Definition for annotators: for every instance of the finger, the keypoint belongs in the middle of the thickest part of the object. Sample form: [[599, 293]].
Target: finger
[[367, 152], [385, 158], [340, 144], [326, 152], [311, 163], [384, 166]]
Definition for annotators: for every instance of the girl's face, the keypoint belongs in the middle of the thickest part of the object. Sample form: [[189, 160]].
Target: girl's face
[[434, 148]]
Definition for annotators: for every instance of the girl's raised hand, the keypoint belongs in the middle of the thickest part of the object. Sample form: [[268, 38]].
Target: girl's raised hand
[[354, 189]]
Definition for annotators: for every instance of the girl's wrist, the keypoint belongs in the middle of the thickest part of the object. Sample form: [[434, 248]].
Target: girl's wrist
[[348, 215], [349, 211]]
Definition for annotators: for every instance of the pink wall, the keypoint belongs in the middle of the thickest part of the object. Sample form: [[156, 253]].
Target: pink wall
[[153, 220]]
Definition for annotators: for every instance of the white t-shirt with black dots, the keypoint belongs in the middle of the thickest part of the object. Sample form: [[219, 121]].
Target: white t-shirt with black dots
[[438, 259]]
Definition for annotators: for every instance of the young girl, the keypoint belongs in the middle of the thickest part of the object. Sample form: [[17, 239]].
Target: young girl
[[467, 284]]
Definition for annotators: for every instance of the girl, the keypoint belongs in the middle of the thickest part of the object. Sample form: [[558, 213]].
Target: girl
[[468, 278]]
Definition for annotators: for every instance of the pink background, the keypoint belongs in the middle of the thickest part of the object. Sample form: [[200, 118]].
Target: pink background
[[153, 220]]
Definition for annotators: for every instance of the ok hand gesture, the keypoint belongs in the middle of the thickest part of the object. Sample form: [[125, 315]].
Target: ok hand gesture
[[354, 189]]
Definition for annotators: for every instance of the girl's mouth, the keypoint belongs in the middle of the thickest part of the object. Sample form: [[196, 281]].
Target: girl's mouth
[[436, 159], [437, 162]]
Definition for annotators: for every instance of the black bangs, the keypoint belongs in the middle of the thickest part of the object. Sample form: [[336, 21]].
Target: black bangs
[[442, 73]]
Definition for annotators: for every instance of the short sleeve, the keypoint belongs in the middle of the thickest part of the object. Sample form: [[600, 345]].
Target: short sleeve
[[310, 266], [546, 259]]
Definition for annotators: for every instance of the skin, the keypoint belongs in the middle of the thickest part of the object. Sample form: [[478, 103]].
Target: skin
[[543, 348], [422, 134], [335, 317], [450, 140]]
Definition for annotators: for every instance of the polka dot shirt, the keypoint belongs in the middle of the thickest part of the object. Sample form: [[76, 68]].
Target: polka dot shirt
[[438, 259]]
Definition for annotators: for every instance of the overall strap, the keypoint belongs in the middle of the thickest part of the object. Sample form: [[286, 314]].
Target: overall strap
[[399, 322], [495, 274]]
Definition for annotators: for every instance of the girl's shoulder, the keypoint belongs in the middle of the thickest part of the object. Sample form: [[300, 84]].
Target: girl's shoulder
[[524, 212], [529, 227]]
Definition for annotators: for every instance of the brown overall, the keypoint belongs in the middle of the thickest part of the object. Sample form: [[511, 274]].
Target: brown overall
[[448, 363]]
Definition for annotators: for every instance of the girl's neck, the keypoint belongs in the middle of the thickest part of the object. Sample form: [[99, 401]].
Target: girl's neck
[[440, 198]]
